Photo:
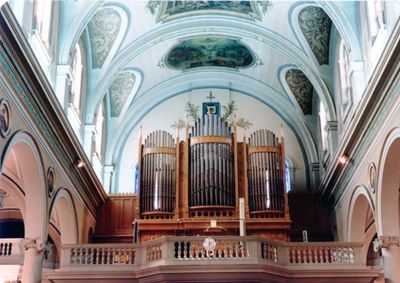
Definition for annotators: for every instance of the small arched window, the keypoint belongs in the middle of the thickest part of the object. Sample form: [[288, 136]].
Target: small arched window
[[43, 9], [376, 17], [99, 131], [344, 74], [322, 122], [77, 78]]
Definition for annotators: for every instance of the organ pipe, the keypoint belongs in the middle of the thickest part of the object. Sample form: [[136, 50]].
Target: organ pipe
[[211, 163], [158, 167], [265, 173]]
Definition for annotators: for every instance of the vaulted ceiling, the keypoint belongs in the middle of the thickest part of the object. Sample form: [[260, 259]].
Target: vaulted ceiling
[[142, 53]]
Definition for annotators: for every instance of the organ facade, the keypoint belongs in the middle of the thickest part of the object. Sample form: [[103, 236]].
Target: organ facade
[[194, 186]]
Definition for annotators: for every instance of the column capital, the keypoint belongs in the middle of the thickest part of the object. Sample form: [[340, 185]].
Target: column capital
[[331, 126], [36, 244], [315, 167], [108, 169], [385, 241]]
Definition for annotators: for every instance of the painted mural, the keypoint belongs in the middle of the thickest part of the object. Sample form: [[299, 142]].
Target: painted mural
[[316, 27], [209, 52], [301, 88], [103, 30], [174, 9]]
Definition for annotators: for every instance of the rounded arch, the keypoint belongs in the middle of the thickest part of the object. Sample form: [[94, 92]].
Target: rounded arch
[[220, 26], [31, 168], [242, 84], [360, 204], [64, 207], [388, 185], [339, 20]]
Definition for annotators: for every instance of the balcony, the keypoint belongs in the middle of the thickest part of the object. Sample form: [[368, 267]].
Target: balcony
[[234, 259]]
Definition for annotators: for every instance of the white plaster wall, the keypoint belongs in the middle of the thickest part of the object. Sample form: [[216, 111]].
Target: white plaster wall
[[171, 110]]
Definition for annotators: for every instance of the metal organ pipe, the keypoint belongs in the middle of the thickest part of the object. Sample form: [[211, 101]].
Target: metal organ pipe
[[157, 188], [265, 175], [211, 161]]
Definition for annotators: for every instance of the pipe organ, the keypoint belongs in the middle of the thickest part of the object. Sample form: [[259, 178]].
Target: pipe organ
[[157, 182], [265, 175], [211, 163], [192, 187]]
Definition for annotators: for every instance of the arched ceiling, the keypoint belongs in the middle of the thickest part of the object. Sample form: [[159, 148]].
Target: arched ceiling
[[145, 52]]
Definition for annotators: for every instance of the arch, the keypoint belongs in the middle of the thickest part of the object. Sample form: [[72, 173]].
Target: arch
[[63, 205], [220, 26], [344, 27], [388, 185], [360, 202], [30, 163], [241, 84]]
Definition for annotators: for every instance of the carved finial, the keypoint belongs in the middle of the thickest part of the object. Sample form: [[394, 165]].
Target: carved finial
[[140, 134], [282, 133]]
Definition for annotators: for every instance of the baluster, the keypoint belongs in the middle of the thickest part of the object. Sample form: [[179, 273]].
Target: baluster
[[99, 256], [9, 248], [291, 255], [72, 256], [105, 256], [304, 254], [321, 256], [315, 255], [326, 252], [78, 256], [1, 248], [351, 255], [89, 256], [298, 259], [275, 254]]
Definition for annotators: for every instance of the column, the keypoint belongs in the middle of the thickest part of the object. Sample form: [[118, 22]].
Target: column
[[108, 171], [33, 258], [314, 176], [331, 128], [391, 256], [90, 131], [63, 82]]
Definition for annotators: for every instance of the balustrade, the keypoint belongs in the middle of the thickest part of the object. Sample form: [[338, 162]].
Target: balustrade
[[171, 251]]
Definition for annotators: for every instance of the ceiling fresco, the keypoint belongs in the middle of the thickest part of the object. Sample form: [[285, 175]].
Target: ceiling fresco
[[170, 10], [119, 92], [301, 88], [103, 31], [316, 26], [209, 52]]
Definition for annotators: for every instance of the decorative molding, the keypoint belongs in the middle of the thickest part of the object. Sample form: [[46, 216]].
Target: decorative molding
[[301, 88], [41, 124], [316, 27], [315, 167], [171, 10], [385, 242], [119, 92], [36, 244], [331, 126], [103, 30]]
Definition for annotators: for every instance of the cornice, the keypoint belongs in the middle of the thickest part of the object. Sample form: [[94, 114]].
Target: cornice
[[45, 111], [377, 100]]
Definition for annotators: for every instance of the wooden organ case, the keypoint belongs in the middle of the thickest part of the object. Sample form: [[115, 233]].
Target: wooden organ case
[[193, 187]]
